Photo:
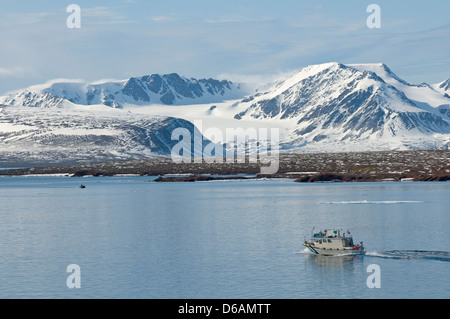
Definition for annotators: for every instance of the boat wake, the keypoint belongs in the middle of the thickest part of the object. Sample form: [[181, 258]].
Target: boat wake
[[398, 254], [306, 251], [412, 254], [374, 202]]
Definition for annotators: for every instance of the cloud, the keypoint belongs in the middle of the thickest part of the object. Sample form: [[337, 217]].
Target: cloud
[[103, 15], [230, 19], [15, 71], [162, 18], [28, 18], [256, 81]]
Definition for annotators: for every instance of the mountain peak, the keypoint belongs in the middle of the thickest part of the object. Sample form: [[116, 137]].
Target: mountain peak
[[336, 103], [318, 84], [381, 70], [445, 85], [148, 89]]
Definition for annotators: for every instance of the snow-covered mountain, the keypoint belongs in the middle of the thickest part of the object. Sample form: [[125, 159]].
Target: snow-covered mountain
[[65, 121], [336, 107], [328, 107], [31, 136], [149, 89]]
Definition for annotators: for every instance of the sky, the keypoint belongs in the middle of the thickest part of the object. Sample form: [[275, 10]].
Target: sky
[[248, 40]]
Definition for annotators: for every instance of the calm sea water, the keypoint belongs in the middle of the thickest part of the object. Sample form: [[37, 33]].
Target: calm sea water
[[221, 239]]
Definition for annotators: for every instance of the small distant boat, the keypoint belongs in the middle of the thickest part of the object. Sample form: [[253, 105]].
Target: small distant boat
[[82, 186], [331, 242]]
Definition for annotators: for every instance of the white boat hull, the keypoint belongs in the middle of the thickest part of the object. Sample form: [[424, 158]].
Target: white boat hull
[[333, 252]]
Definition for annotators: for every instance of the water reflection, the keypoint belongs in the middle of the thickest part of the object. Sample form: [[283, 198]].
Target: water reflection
[[332, 263], [323, 274]]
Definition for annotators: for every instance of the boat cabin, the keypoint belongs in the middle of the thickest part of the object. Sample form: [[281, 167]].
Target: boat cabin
[[332, 239]]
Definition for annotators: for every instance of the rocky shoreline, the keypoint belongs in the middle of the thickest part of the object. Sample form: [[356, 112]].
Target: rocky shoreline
[[303, 168], [306, 179], [198, 178]]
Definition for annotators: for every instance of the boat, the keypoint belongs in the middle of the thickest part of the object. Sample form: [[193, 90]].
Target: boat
[[332, 242]]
